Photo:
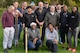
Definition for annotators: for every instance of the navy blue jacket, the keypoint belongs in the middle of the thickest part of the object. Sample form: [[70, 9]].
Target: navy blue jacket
[[64, 19]]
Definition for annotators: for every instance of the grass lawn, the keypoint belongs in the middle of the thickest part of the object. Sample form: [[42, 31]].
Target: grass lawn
[[20, 48]]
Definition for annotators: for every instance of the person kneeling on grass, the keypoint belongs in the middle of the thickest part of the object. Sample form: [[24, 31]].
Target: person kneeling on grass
[[52, 38], [33, 37]]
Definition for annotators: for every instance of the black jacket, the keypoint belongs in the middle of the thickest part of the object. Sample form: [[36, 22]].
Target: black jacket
[[64, 19], [28, 19], [74, 20], [47, 9], [40, 16]]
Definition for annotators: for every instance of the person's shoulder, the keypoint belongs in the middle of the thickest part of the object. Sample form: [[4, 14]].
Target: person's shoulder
[[47, 29], [44, 9], [37, 29], [48, 13], [5, 12], [69, 13], [18, 8], [61, 12], [33, 13], [55, 31], [56, 13], [29, 29], [37, 9], [78, 13], [26, 14]]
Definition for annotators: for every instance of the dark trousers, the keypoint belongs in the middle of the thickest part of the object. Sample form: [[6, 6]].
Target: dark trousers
[[24, 38], [52, 46], [20, 29], [43, 33], [74, 34], [63, 32]]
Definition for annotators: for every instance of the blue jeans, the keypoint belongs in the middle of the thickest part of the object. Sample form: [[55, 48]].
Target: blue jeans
[[34, 46], [20, 29]]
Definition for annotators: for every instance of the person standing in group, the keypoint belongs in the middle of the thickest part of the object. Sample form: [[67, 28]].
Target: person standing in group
[[73, 27], [46, 6], [58, 8], [20, 19], [52, 38], [34, 39], [24, 7], [28, 18], [52, 17], [16, 4], [40, 13], [63, 24], [33, 6], [8, 28]]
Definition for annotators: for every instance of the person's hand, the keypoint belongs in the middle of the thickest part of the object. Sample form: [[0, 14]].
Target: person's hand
[[23, 26], [16, 14], [59, 24], [19, 13], [35, 40], [66, 24], [41, 23], [56, 28], [56, 41], [70, 29]]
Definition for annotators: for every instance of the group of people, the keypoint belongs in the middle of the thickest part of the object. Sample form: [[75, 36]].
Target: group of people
[[51, 21]]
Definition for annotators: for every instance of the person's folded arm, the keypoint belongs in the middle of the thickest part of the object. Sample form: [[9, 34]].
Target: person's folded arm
[[47, 35]]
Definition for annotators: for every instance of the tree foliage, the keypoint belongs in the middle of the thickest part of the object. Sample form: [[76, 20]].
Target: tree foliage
[[5, 3]]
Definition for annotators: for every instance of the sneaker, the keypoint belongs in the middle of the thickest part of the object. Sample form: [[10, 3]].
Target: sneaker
[[74, 50], [10, 48], [5, 51]]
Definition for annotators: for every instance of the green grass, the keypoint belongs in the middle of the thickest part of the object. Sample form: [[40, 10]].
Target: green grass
[[20, 48]]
